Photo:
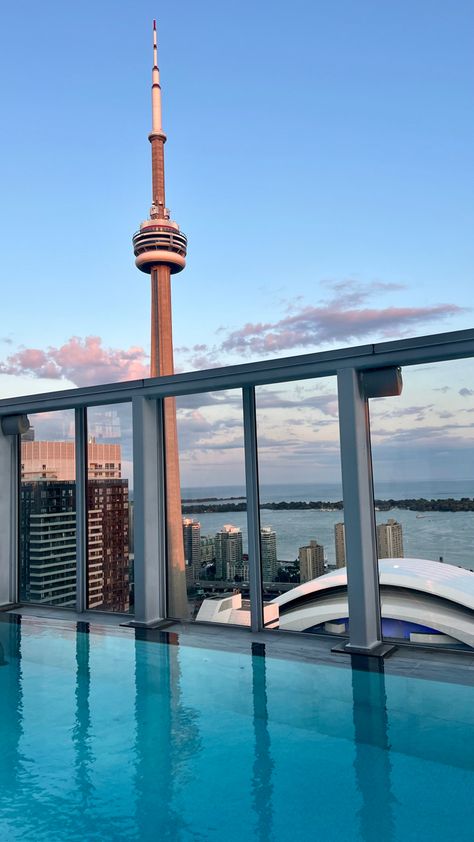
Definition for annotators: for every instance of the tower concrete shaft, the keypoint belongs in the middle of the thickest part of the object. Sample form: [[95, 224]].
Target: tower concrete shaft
[[160, 251]]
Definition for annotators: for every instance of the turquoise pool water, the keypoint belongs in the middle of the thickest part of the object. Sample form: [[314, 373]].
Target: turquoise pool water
[[107, 737]]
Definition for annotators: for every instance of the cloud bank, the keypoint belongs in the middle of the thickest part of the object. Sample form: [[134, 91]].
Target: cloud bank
[[345, 317], [331, 322], [84, 362]]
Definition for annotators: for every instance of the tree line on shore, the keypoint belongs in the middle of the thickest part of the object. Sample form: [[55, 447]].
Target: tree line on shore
[[419, 504]]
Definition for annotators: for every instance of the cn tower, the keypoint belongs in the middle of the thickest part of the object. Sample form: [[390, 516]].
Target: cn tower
[[160, 251]]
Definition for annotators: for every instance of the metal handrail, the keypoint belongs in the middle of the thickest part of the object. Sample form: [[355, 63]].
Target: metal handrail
[[402, 352]]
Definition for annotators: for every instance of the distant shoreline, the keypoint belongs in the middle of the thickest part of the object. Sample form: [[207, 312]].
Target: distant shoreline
[[210, 499], [216, 505]]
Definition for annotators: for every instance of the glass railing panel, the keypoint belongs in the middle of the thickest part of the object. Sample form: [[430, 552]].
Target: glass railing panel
[[47, 511], [300, 491], [214, 572], [110, 508], [423, 462]]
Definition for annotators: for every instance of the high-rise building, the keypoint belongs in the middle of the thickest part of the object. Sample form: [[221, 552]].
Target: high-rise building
[[229, 555], [192, 549], [192, 540], [311, 559], [390, 539], [160, 251], [48, 492], [110, 498], [340, 542], [48, 542], [268, 551]]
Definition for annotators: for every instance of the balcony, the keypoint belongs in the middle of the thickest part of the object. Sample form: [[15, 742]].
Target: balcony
[[374, 592]]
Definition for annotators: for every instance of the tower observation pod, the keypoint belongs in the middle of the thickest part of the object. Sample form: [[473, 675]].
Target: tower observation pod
[[159, 242], [160, 251]]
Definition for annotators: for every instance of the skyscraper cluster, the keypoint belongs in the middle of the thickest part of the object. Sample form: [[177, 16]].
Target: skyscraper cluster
[[225, 552]]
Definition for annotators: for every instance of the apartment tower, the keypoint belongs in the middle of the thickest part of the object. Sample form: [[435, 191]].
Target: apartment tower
[[192, 548], [390, 539], [268, 550], [160, 251], [311, 559], [229, 556], [340, 543]]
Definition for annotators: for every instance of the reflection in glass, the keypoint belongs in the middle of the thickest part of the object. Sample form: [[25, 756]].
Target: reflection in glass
[[47, 511], [109, 475]]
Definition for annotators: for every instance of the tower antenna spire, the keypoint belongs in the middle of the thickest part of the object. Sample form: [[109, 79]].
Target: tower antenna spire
[[156, 89]]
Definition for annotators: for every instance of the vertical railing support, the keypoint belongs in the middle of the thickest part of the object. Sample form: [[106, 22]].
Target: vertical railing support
[[253, 507], [9, 473], [81, 509], [365, 634], [149, 494]]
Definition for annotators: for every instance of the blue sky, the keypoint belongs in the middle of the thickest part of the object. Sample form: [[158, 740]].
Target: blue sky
[[319, 158]]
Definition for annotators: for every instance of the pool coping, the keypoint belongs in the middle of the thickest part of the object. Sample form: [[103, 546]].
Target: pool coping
[[454, 666]]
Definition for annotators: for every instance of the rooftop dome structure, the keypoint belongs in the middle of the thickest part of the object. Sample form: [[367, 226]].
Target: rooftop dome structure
[[422, 601]]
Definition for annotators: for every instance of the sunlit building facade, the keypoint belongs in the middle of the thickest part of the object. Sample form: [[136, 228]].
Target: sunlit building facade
[[390, 539], [229, 553], [340, 544], [268, 550], [311, 560], [57, 460]]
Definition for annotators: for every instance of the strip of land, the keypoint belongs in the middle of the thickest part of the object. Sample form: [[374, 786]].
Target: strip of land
[[420, 504]]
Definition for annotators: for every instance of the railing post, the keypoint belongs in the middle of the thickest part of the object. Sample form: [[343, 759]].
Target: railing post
[[253, 508], [81, 509], [365, 634], [149, 494], [9, 473]]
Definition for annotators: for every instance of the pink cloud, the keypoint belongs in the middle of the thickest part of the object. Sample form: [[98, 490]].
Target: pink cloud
[[341, 319], [332, 322], [83, 361], [346, 316]]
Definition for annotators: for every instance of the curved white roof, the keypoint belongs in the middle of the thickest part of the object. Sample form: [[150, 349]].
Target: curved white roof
[[418, 574], [416, 582]]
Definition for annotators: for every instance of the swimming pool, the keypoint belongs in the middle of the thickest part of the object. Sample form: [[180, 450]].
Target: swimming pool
[[108, 736]]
